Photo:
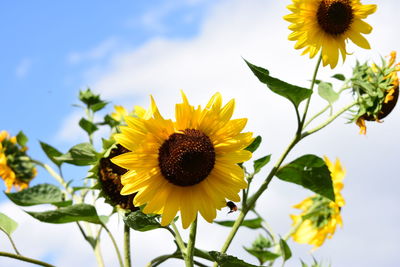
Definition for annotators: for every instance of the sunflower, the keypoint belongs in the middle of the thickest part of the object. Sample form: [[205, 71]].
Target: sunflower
[[119, 113], [377, 89], [326, 25], [320, 216], [188, 165]]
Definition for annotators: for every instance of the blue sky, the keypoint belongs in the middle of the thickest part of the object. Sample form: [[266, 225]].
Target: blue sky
[[126, 50]]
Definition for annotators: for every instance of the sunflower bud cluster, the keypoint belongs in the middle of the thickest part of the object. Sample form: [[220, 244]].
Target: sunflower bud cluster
[[16, 167], [377, 90]]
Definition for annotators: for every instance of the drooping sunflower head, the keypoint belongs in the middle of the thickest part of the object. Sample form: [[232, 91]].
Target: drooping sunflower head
[[377, 90], [188, 165], [326, 25], [320, 216], [16, 167]]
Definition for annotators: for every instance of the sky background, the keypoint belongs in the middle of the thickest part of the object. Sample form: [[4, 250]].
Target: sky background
[[127, 50]]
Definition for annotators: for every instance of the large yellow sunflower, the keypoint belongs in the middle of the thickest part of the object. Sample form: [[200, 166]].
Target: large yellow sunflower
[[188, 165], [326, 25], [320, 216]]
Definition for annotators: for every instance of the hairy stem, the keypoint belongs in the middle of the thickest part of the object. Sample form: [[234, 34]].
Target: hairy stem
[[191, 244]]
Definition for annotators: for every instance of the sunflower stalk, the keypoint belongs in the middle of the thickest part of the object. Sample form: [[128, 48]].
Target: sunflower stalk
[[26, 259], [127, 246], [191, 244]]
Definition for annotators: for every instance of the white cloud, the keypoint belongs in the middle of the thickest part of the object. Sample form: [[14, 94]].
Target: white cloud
[[102, 50], [212, 62], [23, 68]]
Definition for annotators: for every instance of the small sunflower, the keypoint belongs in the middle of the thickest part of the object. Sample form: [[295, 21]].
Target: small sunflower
[[16, 168], [190, 165], [377, 89], [326, 25], [119, 113], [320, 216]]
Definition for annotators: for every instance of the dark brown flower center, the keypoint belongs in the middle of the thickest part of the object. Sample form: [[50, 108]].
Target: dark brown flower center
[[186, 158], [335, 17]]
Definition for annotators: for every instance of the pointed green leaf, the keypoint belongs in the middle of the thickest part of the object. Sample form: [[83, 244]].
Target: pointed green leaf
[[285, 250], [39, 194], [225, 260], [252, 223], [7, 225], [326, 91], [260, 163], [88, 126], [255, 144], [339, 77], [22, 139], [51, 153], [139, 221], [262, 255], [293, 93], [74, 213], [98, 106], [89, 98], [310, 172], [81, 155]]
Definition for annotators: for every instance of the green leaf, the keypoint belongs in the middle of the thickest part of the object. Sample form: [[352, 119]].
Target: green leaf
[[98, 106], [310, 172], [139, 221], [261, 162], [7, 225], [254, 145], [51, 153], [88, 126], [262, 255], [293, 93], [39, 194], [225, 260], [252, 223], [339, 77], [285, 250], [74, 213], [89, 98], [81, 155], [326, 92], [22, 139]]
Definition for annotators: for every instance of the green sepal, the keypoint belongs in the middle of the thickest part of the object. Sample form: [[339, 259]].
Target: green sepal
[[22, 139], [225, 260], [89, 98], [51, 153], [74, 213], [285, 250], [293, 93], [80, 155], [260, 163], [39, 194], [254, 145], [7, 225], [139, 221], [88, 126], [252, 223], [310, 172]]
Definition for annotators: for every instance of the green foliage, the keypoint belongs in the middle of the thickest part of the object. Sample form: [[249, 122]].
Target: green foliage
[[339, 77], [74, 213], [259, 249], [81, 155], [225, 260], [285, 250], [260, 163], [255, 144], [293, 93], [110, 121], [91, 100], [7, 225], [326, 92], [88, 126], [252, 223], [139, 221], [22, 139], [310, 172], [51, 153], [39, 194]]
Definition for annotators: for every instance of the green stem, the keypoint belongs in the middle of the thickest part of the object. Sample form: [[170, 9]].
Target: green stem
[[191, 244], [13, 244], [97, 253], [266, 227], [127, 246], [179, 239], [160, 259], [23, 258], [121, 263], [311, 88]]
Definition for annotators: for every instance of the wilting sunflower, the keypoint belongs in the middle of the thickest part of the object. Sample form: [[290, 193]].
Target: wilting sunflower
[[16, 168], [190, 165], [326, 25], [320, 216], [377, 89]]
